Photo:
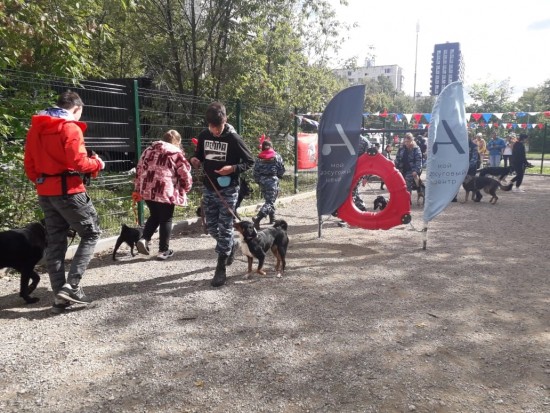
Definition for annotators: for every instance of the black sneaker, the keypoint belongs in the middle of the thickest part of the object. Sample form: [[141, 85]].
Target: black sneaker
[[73, 294], [60, 305]]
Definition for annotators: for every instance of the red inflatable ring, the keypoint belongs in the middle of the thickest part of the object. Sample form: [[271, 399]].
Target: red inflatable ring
[[398, 210]]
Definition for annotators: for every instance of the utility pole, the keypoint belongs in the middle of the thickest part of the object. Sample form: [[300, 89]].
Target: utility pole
[[416, 59]]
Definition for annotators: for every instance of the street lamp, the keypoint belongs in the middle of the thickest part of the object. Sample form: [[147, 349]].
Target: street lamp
[[416, 58]]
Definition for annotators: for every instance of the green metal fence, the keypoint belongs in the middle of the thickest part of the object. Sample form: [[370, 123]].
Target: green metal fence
[[124, 116]]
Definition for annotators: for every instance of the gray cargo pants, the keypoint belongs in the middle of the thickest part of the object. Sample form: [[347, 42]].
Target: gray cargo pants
[[60, 213]]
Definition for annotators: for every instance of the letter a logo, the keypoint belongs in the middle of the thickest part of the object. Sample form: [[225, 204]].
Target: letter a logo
[[452, 139]]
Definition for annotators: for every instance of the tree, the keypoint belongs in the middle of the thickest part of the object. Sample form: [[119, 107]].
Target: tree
[[491, 97]]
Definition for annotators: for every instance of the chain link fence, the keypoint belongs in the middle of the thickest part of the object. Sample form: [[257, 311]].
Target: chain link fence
[[124, 116]]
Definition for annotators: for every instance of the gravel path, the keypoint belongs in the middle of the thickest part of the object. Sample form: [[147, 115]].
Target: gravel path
[[362, 321]]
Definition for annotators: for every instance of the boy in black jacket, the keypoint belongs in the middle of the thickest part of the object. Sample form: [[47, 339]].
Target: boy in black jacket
[[223, 155]]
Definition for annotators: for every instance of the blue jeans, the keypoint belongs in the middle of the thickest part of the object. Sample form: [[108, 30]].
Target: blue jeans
[[494, 160], [219, 220], [61, 212]]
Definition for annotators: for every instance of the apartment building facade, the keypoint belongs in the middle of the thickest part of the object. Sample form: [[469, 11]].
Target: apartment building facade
[[361, 75]]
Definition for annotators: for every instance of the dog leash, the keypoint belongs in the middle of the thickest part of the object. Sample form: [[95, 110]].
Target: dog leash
[[222, 199], [136, 197]]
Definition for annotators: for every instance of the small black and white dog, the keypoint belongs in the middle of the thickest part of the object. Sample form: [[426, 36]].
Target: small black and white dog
[[255, 244], [130, 236], [380, 203], [21, 249]]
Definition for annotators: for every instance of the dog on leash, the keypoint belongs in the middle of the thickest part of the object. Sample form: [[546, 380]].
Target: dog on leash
[[420, 189], [255, 244], [476, 183], [499, 172], [21, 249], [130, 236]]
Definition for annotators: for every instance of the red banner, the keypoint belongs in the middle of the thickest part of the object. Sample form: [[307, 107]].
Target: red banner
[[307, 150]]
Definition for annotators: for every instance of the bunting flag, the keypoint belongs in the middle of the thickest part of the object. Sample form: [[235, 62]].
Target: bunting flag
[[482, 120], [338, 142], [447, 161]]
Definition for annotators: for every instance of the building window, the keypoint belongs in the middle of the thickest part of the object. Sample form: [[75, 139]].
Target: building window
[[387, 70], [349, 73]]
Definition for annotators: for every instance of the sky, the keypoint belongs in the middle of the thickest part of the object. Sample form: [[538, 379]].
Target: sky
[[499, 40]]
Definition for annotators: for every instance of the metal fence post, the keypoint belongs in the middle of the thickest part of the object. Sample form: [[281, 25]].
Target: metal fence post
[[137, 142], [543, 147], [295, 150]]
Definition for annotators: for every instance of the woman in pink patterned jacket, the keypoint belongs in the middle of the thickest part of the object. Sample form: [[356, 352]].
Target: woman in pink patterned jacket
[[163, 178]]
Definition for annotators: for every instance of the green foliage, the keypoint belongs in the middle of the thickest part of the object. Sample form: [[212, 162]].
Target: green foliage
[[18, 203], [48, 37], [491, 97]]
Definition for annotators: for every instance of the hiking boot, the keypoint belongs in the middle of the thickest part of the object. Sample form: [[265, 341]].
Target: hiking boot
[[256, 220], [272, 217], [74, 294], [164, 255], [220, 273], [231, 256], [59, 306], [143, 246]]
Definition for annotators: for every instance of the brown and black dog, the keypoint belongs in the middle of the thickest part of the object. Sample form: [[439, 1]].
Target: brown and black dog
[[499, 172], [420, 189], [21, 249], [476, 183], [255, 244]]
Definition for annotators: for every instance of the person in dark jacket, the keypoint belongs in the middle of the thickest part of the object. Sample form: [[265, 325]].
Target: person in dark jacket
[[519, 162], [223, 155], [55, 158], [408, 160], [268, 169]]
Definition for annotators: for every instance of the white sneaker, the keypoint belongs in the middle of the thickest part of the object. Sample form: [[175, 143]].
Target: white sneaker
[[143, 246], [165, 254]]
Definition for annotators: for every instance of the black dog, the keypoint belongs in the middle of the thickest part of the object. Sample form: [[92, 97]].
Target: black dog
[[380, 203], [130, 236], [21, 249], [498, 172], [245, 191], [489, 185], [255, 244]]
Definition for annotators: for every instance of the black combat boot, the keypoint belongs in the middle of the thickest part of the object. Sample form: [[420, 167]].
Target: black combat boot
[[219, 274], [234, 249], [272, 217], [257, 220]]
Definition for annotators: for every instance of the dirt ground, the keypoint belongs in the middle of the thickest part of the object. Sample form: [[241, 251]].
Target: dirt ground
[[362, 321]]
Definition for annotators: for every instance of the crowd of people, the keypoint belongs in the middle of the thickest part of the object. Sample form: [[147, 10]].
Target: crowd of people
[[56, 158], [411, 155]]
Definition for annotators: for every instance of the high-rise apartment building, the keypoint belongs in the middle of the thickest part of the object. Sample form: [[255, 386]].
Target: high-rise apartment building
[[447, 66]]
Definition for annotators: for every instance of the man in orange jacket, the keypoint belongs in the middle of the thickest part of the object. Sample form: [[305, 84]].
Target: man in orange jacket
[[55, 158]]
